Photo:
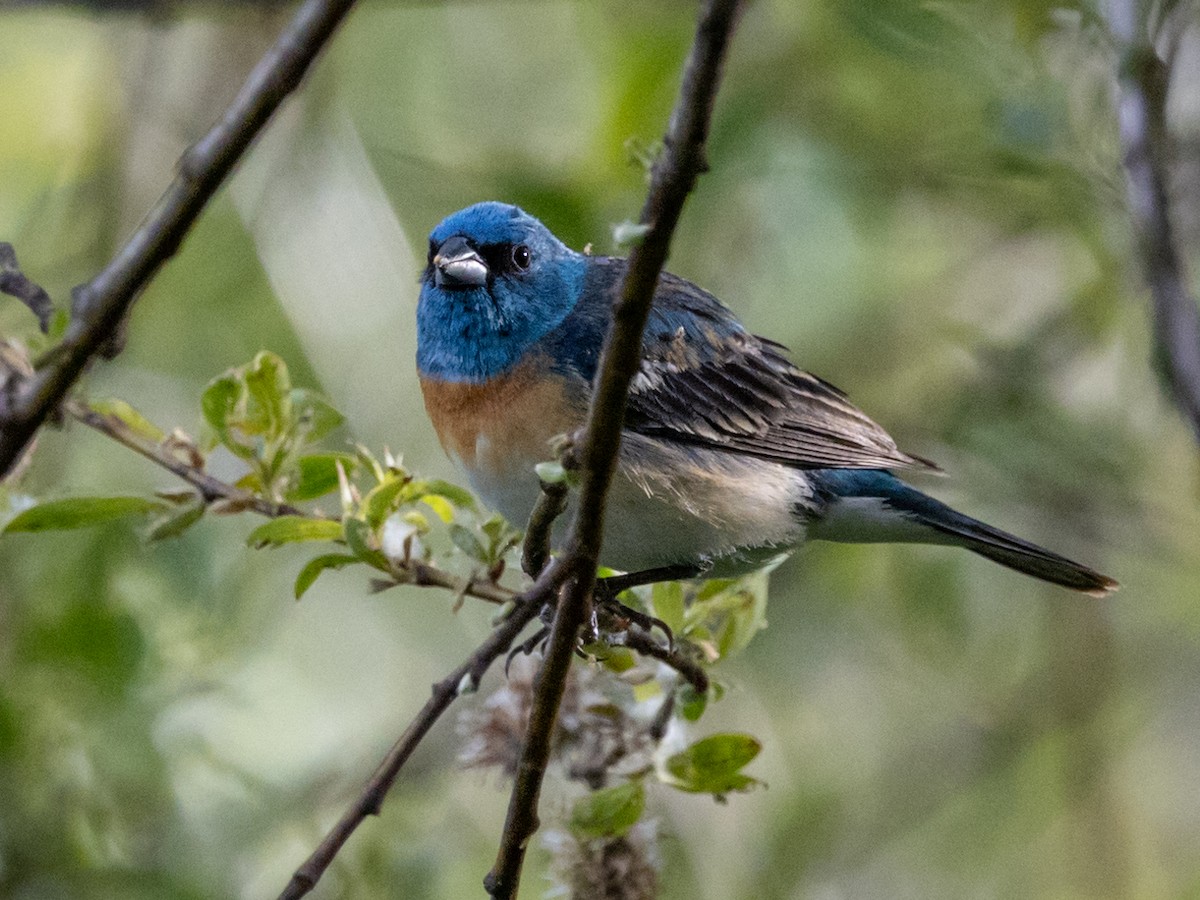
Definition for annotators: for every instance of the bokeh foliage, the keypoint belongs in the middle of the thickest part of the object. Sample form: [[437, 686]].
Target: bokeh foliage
[[923, 200]]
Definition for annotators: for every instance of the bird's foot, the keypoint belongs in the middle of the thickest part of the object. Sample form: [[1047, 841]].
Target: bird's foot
[[616, 616], [608, 589]]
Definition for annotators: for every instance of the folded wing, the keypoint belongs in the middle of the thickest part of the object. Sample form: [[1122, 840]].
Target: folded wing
[[704, 379]]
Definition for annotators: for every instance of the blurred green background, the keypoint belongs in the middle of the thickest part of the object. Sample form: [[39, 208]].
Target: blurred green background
[[924, 201]]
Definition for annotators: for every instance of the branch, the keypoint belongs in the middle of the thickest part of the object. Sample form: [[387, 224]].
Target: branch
[[422, 574], [1143, 82], [210, 488], [99, 307], [463, 679], [674, 175], [14, 283], [535, 552]]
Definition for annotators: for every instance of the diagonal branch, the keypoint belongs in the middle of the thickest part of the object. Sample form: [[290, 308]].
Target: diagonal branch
[[209, 488], [212, 489], [674, 175], [99, 306], [1143, 81]]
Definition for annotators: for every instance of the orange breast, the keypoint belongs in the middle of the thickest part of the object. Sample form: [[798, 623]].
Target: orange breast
[[506, 424]]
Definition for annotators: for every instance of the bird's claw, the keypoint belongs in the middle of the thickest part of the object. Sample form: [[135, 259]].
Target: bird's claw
[[643, 620]]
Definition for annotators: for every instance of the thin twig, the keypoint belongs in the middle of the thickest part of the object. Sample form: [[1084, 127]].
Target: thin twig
[[674, 175], [551, 503], [422, 574], [1144, 79], [100, 306], [209, 488], [14, 283]]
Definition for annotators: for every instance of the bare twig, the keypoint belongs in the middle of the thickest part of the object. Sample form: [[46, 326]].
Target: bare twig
[[14, 283], [674, 175], [535, 552], [1143, 81], [422, 574], [100, 305], [209, 488]]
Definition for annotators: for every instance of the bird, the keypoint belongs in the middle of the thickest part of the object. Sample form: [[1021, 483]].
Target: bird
[[731, 457]]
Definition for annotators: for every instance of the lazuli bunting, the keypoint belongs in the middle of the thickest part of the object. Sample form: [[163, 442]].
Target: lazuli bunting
[[730, 455]]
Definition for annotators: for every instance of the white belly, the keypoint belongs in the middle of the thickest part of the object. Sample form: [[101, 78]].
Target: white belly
[[671, 505]]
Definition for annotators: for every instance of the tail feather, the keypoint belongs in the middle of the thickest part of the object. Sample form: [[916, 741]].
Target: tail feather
[[1021, 555], [902, 513]]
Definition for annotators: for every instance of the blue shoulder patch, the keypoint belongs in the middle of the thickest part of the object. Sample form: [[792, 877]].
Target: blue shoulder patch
[[575, 344], [856, 482], [879, 483]]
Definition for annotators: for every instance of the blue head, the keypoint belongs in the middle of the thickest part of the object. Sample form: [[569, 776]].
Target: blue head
[[497, 281]]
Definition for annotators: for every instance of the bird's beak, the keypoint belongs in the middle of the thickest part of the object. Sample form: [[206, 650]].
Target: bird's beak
[[457, 264]]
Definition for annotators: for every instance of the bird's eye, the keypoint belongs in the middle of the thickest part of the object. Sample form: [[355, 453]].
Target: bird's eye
[[520, 256]]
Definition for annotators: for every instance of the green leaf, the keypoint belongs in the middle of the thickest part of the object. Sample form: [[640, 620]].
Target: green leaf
[[440, 505], [417, 518], [250, 402], [250, 483], [501, 538], [551, 472], [315, 567], [373, 465], [176, 521], [745, 605], [609, 812], [381, 500], [133, 420], [465, 540], [713, 764], [459, 496], [291, 529], [79, 512], [692, 703], [615, 659], [219, 403], [728, 612], [269, 386], [666, 599], [360, 537], [318, 475], [495, 527], [315, 413]]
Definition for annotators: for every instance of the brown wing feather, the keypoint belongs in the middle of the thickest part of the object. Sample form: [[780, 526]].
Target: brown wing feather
[[706, 380]]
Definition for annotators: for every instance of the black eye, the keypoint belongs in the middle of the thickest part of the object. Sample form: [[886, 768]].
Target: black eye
[[520, 256]]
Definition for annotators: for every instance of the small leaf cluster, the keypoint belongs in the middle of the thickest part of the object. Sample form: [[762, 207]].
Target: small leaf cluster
[[256, 414], [385, 517], [387, 526]]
